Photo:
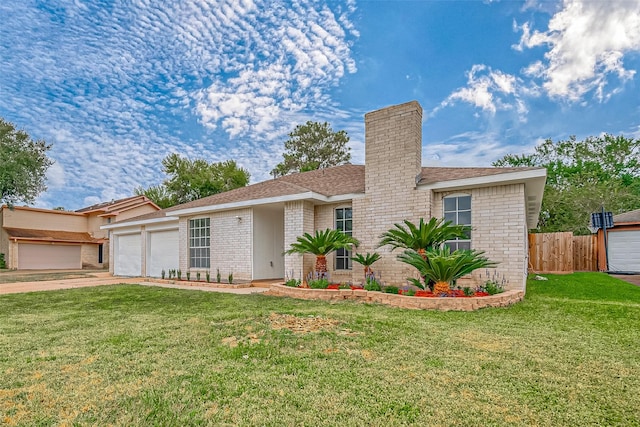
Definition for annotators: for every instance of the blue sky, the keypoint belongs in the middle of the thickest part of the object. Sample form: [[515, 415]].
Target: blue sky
[[117, 85]]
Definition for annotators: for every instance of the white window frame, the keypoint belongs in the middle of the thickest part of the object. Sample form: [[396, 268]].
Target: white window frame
[[453, 215], [343, 256], [200, 242]]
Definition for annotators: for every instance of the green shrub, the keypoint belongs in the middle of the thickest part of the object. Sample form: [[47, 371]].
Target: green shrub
[[318, 283], [492, 287], [3, 264], [318, 280], [372, 283], [208, 277], [468, 291], [294, 283], [198, 276], [188, 275], [218, 278], [230, 277], [390, 289]]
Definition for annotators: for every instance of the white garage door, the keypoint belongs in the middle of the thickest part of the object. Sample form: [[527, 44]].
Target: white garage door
[[128, 255], [624, 250], [162, 252], [41, 257]]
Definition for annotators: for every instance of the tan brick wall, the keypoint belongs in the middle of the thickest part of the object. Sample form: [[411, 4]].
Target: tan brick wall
[[298, 219], [4, 239], [392, 162], [498, 221], [89, 254], [183, 244], [231, 244], [111, 252]]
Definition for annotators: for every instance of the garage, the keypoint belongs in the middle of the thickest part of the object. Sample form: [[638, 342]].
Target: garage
[[162, 252], [128, 255], [49, 257], [624, 250]]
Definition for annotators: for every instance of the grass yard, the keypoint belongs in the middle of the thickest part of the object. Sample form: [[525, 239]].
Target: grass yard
[[569, 354]]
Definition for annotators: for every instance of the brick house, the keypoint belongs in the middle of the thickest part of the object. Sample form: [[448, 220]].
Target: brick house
[[245, 231], [35, 239]]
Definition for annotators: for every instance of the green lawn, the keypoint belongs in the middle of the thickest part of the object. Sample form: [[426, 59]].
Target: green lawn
[[569, 354]]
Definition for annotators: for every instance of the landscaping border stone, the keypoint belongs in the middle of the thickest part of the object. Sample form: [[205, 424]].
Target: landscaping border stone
[[401, 301]]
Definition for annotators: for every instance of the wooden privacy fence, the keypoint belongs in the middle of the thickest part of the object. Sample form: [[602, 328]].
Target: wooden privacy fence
[[562, 253]]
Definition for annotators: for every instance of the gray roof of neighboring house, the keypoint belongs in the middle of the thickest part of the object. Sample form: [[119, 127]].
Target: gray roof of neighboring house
[[631, 216], [115, 204], [334, 181]]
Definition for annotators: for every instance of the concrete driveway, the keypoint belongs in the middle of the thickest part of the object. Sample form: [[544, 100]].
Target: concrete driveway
[[96, 279], [634, 279]]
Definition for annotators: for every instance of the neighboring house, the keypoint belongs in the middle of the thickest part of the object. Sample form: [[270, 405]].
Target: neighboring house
[[245, 231], [35, 239], [623, 241]]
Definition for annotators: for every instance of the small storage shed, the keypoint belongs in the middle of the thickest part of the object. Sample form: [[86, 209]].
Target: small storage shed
[[624, 244]]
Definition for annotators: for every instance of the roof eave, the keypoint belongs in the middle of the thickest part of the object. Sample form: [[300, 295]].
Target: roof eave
[[123, 224], [533, 179], [309, 195]]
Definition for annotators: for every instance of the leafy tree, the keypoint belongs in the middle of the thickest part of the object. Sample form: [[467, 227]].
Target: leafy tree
[[582, 176], [194, 179], [321, 244], [158, 194], [313, 146], [23, 165]]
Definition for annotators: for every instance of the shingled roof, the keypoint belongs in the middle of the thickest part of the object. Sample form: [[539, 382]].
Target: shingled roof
[[50, 235], [631, 216], [117, 205], [334, 181]]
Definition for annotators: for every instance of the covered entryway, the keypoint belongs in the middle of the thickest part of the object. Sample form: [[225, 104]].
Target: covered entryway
[[49, 256], [268, 242], [128, 255], [162, 252], [624, 250]]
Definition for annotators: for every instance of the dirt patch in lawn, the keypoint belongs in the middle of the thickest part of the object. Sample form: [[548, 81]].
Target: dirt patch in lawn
[[302, 325]]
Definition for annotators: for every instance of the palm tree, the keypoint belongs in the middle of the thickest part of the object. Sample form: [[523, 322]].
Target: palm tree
[[366, 261], [444, 267], [321, 244], [424, 236]]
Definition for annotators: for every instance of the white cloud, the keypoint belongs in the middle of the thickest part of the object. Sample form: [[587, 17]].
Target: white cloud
[[586, 41], [56, 176], [116, 89], [487, 89]]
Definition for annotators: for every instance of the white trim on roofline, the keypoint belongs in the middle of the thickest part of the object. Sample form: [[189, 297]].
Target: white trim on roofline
[[309, 195], [139, 222], [482, 181]]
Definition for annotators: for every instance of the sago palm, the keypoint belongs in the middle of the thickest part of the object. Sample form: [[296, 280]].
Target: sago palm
[[444, 267], [424, 236], [321, 244], [366, 261]]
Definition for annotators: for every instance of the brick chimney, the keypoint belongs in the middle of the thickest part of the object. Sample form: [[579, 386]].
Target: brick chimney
[[393, 148], [393, 160]]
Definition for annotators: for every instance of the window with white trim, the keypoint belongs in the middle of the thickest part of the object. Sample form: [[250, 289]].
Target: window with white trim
[[344, 223], [199, 243], [457, 209]]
